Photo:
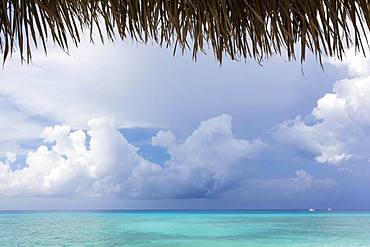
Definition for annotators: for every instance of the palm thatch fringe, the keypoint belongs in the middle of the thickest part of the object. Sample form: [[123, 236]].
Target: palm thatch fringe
[[239, 28]]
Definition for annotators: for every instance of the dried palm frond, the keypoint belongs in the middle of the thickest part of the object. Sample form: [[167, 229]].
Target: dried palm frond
[[238, 28]]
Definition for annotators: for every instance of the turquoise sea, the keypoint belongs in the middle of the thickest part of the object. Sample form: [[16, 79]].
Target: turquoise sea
[[185, 228]]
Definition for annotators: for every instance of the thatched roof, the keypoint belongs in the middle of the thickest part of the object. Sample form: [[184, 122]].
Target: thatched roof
[[239, 28]]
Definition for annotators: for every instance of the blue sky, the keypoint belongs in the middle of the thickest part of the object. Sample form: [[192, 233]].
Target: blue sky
[[130, 126]]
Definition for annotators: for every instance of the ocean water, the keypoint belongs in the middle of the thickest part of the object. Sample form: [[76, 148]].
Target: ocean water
[[186, 228]]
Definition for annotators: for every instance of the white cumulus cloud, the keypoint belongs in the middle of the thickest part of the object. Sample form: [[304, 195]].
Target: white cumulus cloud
[[100, 161], [338, 128], [164, 139]]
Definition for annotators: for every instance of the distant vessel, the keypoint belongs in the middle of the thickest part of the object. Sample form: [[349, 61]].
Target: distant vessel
[[329, 209], [311, 210]]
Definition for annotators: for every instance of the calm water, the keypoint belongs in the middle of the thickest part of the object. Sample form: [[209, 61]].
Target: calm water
[[224, 229]]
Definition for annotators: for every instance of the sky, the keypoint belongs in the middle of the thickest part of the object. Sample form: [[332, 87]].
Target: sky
[[129, 126]]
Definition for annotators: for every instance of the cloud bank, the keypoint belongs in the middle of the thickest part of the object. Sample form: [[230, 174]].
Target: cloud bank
[[100, 161], [338, 128], [302, 181]]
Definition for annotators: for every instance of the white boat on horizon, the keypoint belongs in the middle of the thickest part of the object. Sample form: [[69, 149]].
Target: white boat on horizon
[[311, 210]]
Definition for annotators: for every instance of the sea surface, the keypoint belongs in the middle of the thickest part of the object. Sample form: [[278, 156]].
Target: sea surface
[[185, 228]]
